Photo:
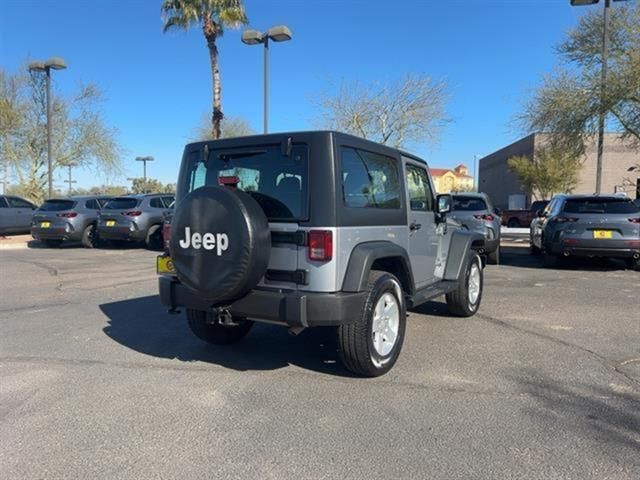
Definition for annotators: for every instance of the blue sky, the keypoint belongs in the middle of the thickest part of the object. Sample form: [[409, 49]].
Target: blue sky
[[157, 86]]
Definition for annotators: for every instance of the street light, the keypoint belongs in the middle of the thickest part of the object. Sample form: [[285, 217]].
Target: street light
[[280, 33], [54, 63], [603, 79], [70, 181], [144, 161]]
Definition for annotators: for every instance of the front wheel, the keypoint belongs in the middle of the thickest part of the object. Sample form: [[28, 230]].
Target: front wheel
[[634, 264], [154, 238], [205, 326], [371, 345], [464, 301], [90, 237], [494, 257]]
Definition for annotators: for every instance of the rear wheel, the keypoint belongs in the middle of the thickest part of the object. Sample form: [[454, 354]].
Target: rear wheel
[[205, 326], [464, 301], [513, 223], [90, 237], [549, 259], [494, 257], [634, 264], [534, 250], [371, 345], [154, 238]]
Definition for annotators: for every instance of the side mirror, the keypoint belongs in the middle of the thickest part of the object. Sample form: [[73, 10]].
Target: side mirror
[[444, 204], [497, 211]]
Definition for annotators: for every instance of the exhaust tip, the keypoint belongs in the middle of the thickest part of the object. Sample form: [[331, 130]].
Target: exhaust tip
[[295, 331], [566, 254]]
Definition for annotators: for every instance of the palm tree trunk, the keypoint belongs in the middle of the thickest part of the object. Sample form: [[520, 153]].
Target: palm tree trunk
[[217, 116]]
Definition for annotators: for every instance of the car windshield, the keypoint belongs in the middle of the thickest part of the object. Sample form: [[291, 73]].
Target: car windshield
[[121, 203], [57, 205], [278, 182], [468, 203], [600, 205]]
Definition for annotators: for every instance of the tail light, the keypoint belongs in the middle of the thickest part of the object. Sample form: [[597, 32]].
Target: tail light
[[166, 235], [133, 213], [320, 245], [68, 214], [487, 217], [634, 220], [564, 220]]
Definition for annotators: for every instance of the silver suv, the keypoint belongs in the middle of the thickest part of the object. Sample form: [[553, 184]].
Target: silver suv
[[476, 213], [69, 219], [314, 229], [135, 218]]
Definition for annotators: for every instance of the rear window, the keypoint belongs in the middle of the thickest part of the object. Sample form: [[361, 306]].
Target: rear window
[[600, 205], [468, 204], [121, 203], [57, 205], [276, 181]]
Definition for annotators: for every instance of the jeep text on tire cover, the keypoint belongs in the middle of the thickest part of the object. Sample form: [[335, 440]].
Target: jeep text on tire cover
[[314, 229]]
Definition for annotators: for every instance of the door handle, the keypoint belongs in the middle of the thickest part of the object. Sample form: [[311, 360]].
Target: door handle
[[415, 226]]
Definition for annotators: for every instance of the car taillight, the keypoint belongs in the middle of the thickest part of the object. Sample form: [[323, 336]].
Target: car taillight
[[564, 219], [634, 220], [166, 235], [320, 245], [487, 217], [68, 214], [133, 213]]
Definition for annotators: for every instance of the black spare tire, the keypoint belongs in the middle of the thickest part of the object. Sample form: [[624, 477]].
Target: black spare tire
[[220, 243]]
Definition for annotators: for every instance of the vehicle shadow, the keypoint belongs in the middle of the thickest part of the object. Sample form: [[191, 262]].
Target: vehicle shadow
[[610, 417], [143, 324], [522, 257]]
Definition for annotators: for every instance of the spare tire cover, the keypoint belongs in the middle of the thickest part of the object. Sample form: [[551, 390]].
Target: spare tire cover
[[220, 243]]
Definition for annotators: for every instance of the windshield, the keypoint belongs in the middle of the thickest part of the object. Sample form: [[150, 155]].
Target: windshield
[[278, 182], [468, 204], [600, 205], [121, 203], [57, 205]]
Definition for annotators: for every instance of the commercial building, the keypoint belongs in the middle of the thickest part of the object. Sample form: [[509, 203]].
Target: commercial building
[[452, 180], [505, 190]]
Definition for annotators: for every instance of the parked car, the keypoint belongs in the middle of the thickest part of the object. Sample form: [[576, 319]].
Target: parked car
[[522, 218], [68, 219], [475, 212], [135, 218], [314, 229], [15, 214], [587, 225]]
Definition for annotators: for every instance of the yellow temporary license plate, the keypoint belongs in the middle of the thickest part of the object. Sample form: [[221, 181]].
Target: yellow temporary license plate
[[111, 223], [164, 265], [45, 224], [602, 234]]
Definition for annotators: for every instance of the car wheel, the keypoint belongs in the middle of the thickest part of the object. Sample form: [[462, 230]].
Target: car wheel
[[494, 257], [634, 264], [513, 223], [52, 243], [204, 325], [534, 250], [465, 300], [550, 260], [371, 345], [90, 237], [154, 238]]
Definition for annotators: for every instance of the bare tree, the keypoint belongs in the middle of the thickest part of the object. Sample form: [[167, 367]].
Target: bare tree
[[397, 113], [231, 127]]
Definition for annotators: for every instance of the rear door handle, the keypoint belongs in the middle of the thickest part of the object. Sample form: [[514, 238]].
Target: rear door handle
[[415, 226]]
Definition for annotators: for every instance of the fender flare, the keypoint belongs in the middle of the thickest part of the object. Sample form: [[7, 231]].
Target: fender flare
[[460, 253], [362, 258]]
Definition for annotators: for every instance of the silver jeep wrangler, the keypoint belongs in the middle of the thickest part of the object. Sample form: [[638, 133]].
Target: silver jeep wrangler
[[313, 229]]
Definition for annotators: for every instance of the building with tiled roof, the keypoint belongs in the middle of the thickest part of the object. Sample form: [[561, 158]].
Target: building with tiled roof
[[452, 180]]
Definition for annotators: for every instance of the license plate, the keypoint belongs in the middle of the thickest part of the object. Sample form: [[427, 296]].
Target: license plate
[[45, 224], [164, 265], [111, 223], [602, 234]]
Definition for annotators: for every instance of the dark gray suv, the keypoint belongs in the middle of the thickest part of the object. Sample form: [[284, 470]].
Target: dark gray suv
[[69, 219], [314, 229], [135, 218]]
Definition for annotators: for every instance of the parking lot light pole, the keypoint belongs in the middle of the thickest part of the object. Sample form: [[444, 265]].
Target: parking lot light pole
[[280, 33], [70, 181], [55, 63], [144, 161]]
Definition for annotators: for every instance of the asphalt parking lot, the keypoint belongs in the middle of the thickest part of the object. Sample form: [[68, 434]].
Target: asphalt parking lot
[[98, 381]]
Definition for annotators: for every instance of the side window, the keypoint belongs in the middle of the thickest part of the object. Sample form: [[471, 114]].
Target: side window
[[369, 180], [3, 203], [18, 203], [102, 202], [92, 204], [420, 197], [156, 202], [168, 200]]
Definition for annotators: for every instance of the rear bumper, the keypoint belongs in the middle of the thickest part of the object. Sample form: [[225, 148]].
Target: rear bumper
[[597, 248], [56, 233], [294, 309], [121, 233]]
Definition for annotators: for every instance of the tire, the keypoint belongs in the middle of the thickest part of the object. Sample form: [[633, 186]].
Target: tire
[[634, 264], [535, 251], [52, 243], [204, 326], [465, 300], [154, 238], [90, 236], [550, 260], [364, 346], [494, 257], [513, 223]]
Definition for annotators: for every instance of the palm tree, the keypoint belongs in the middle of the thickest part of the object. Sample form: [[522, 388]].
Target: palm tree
[[212, 16]]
